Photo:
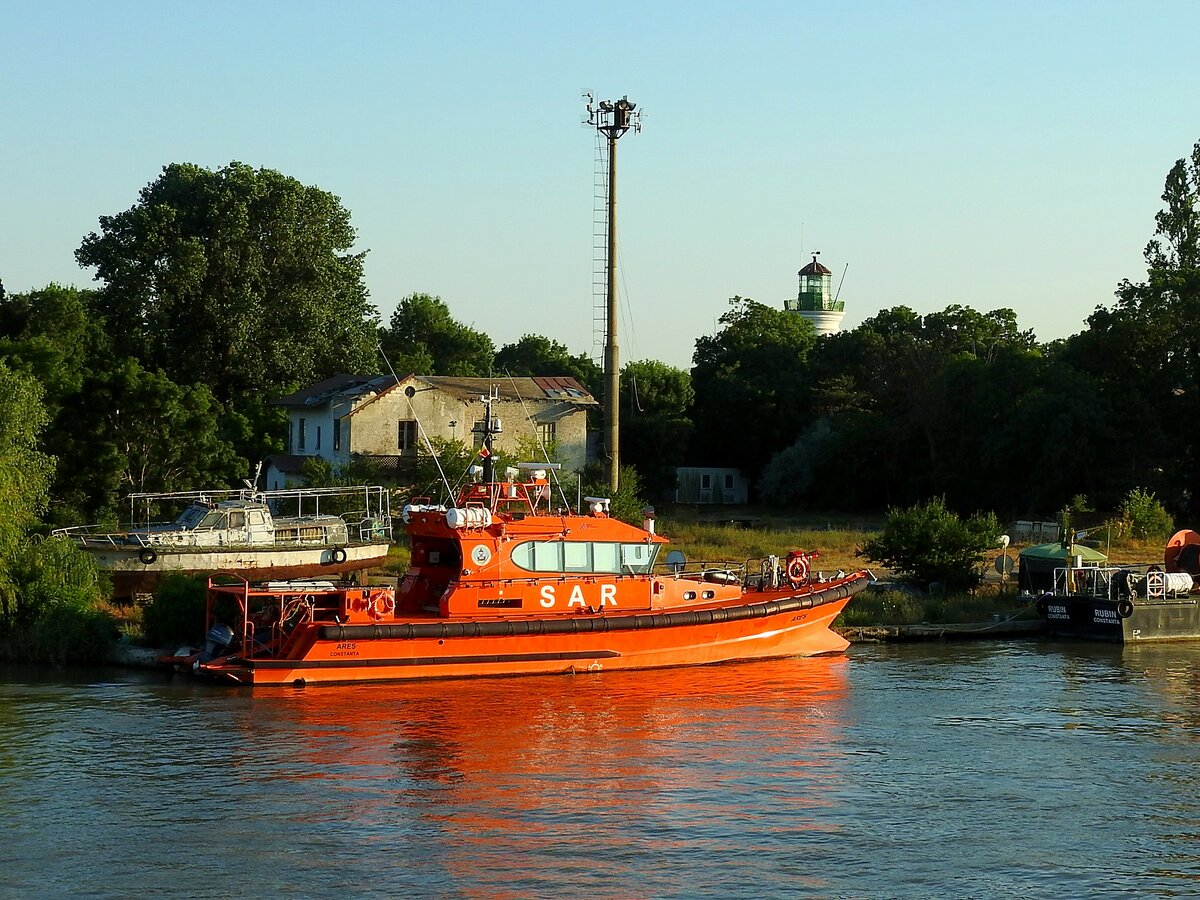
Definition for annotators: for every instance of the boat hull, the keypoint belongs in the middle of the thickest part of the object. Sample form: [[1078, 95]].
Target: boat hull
[[759, 628], [131, 574], [1101, 619]]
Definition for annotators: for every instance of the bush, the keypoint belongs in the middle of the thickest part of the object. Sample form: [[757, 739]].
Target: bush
[[56, 618], [1144, 517], [928, 543], [176, 612], [626, 503]]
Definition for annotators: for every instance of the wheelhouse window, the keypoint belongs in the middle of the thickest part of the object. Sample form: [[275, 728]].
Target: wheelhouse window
[[406, 435], [585, 557]]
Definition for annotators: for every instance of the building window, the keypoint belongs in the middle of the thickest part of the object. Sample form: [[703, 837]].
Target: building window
[[318, 447], [337, 434], [546, 433], [300, 438], [729, 482], [706, 481], [406, 434]]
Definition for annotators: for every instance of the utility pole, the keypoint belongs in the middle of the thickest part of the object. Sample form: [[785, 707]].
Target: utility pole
[[612, 119]]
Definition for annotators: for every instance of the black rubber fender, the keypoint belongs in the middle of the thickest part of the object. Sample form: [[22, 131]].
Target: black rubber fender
[[147, 556], [1125, 608], [337, 556]]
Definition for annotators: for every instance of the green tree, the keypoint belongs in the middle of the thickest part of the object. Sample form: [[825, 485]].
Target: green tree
[[1143, 355], [238, 279], [534, 354], [751, 385], [53, 334], [929, 543], [917, 405], [656, 402], [48, 588], [136, 430], [25, 473], [423, 338]]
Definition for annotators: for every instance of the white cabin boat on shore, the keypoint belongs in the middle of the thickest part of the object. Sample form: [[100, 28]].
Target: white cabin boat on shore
[[289, 533]]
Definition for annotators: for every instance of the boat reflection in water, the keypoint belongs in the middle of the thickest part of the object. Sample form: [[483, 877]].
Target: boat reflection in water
[[498, 779]]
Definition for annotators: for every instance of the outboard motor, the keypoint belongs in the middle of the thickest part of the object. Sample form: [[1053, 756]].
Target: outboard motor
[[217, 642]]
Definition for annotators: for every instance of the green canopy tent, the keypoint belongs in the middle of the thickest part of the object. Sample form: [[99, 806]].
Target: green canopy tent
[[1036, 565]]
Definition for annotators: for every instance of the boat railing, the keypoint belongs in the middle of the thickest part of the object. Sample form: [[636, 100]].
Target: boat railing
[[351, 503], [1104, 582], [719, 572]]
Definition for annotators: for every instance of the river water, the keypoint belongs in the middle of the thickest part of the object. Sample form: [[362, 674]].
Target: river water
[[1028, 769]]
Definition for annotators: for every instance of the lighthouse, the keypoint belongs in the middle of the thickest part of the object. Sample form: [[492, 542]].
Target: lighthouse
[[815, 300]]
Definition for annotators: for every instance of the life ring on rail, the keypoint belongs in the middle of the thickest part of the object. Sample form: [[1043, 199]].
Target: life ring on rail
[[337, 556], [147, 556], [381, 604], [1125, 608], [797, 570]]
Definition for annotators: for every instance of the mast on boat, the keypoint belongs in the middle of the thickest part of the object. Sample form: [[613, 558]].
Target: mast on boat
[[612, 119]]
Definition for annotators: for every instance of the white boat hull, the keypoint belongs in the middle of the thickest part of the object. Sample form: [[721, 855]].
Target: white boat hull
[[133, 571]]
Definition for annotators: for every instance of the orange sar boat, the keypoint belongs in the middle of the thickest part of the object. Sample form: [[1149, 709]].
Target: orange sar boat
[[501, 583]]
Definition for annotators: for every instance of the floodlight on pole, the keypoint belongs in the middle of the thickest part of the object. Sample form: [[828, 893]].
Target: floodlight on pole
[[613, 119]]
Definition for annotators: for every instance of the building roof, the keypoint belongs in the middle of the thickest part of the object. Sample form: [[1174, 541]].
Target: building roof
[[562, 389], [814, 268], [541, 387], [325, 391]]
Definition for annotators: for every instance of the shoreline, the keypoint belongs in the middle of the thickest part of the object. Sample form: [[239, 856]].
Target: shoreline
[[877, 634]]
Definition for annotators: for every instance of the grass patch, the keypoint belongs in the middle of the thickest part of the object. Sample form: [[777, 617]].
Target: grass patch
[[715, 543], [909, 607]]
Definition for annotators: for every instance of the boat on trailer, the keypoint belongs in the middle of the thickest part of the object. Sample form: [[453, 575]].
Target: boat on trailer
[[505, 581], [286, 533]]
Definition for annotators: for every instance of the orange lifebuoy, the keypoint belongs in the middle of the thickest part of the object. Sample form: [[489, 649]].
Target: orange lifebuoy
[[381, 604], [797, 570]]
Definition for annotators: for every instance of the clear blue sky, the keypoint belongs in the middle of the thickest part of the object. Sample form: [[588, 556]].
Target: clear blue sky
[[1004, 154]]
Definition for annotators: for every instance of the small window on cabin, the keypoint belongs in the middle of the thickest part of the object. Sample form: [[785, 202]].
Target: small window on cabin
[[337, 434], [606, 558], [637, 558], [539, 556], [577, 556], [522, 556], [729, 482], [237, 519], [548, 556], [300, 436], [706, 481], [214, 519], [406, 434]]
